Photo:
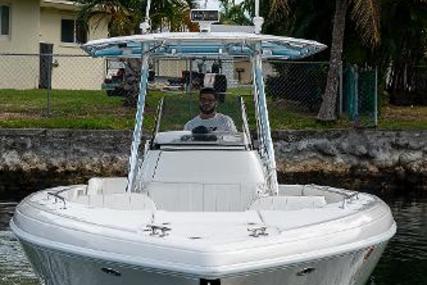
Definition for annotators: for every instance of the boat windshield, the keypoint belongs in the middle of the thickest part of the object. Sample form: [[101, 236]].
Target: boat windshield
[[181, 123], [182, 112], [188, 139]]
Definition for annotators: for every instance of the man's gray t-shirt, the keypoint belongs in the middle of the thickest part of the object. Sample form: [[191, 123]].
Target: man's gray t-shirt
[[220, 123]]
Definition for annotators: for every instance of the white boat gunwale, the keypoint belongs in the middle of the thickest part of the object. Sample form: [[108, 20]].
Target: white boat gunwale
[[200, 271], [365, 209], [346, 197]]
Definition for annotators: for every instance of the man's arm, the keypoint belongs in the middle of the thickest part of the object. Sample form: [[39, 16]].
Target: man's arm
[[191, 124], [229, 124], [187, 126], [232, 126]]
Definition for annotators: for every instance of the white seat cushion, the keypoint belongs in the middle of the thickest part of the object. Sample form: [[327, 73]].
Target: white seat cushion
[[200, 197], [113, 185]]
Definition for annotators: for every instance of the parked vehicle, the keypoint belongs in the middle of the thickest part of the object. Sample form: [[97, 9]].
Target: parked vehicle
[[114, 80]]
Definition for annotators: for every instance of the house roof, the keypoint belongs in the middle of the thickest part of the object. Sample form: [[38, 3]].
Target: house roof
[[59, 4]]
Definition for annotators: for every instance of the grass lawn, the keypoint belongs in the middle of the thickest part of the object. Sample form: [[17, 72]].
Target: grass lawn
[[393, 117], [69, 109], [95, 110]]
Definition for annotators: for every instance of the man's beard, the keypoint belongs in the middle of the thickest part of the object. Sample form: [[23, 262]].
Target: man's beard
[[207, 111]]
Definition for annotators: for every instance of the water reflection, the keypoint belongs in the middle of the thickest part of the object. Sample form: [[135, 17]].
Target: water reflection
[[6, 212], [405, 259], [14, 267], [403, 263]]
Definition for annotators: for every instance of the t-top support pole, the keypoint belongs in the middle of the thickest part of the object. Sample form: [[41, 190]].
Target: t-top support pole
[[264, 123], [139, 118], [257, 109]]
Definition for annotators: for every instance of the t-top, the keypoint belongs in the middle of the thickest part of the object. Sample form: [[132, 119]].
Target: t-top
[[220, 123]]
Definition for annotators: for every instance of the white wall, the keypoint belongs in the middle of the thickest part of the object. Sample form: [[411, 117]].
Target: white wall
[[73, 72], [31, 24], [24, 27], [20, 72]]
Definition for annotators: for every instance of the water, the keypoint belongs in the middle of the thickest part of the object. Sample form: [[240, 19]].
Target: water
[[403, 263], [14, 267], [405, 260]]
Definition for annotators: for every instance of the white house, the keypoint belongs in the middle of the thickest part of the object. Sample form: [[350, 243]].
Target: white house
[[26, 24]]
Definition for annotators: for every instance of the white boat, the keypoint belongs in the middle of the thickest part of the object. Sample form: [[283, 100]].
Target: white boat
[[203, 209]]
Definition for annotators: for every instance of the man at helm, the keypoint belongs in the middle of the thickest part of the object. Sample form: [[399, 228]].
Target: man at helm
[[208, 117]]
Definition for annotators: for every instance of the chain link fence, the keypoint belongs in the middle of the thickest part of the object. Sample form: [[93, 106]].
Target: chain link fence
[[299, 86], [18, 71], [230, 78], [420, 89], [220, 74], [360, 100], [295, 87], [68, 72], [407, 85], [42, 73]]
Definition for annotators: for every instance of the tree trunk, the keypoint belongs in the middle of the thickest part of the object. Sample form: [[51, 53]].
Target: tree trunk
[[131, 82], [327, 110]]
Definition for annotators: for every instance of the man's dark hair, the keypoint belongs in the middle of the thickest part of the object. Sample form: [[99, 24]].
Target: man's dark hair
[[208, 90]]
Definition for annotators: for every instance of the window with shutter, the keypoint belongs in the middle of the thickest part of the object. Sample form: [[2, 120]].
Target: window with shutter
[[4, 20], [73, 31]]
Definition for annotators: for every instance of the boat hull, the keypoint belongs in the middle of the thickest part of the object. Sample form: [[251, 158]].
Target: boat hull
[[61, 268], [70, 242]]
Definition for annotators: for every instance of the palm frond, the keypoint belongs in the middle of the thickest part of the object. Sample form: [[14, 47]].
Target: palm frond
[[366, 16], [190, 3], [125, 15], [280, 6]]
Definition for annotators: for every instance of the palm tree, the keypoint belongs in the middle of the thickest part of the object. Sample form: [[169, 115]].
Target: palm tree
[[404, 45], [171, 14], [123, 15], [234, 14], [126, 15], [124, 19], [366, 16]]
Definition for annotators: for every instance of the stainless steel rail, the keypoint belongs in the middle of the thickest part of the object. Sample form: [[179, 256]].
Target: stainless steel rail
[[57, 197], [245, 124]]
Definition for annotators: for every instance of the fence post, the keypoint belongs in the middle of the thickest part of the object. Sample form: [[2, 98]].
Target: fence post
[[46, 60], [49, 88], [190, 84], [45, 70], [187, 68], [356, 97], [376, 98], [340, 110]]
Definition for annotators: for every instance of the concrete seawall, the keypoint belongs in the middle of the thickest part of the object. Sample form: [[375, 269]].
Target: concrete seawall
[[32, 159], [357, 159]]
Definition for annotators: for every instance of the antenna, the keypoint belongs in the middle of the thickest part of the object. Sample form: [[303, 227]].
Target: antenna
[[147, 10], [146, 25], [258, 21]]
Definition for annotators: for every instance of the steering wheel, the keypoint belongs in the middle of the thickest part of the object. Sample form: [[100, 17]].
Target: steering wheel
[[200, 130], [201, 134]]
